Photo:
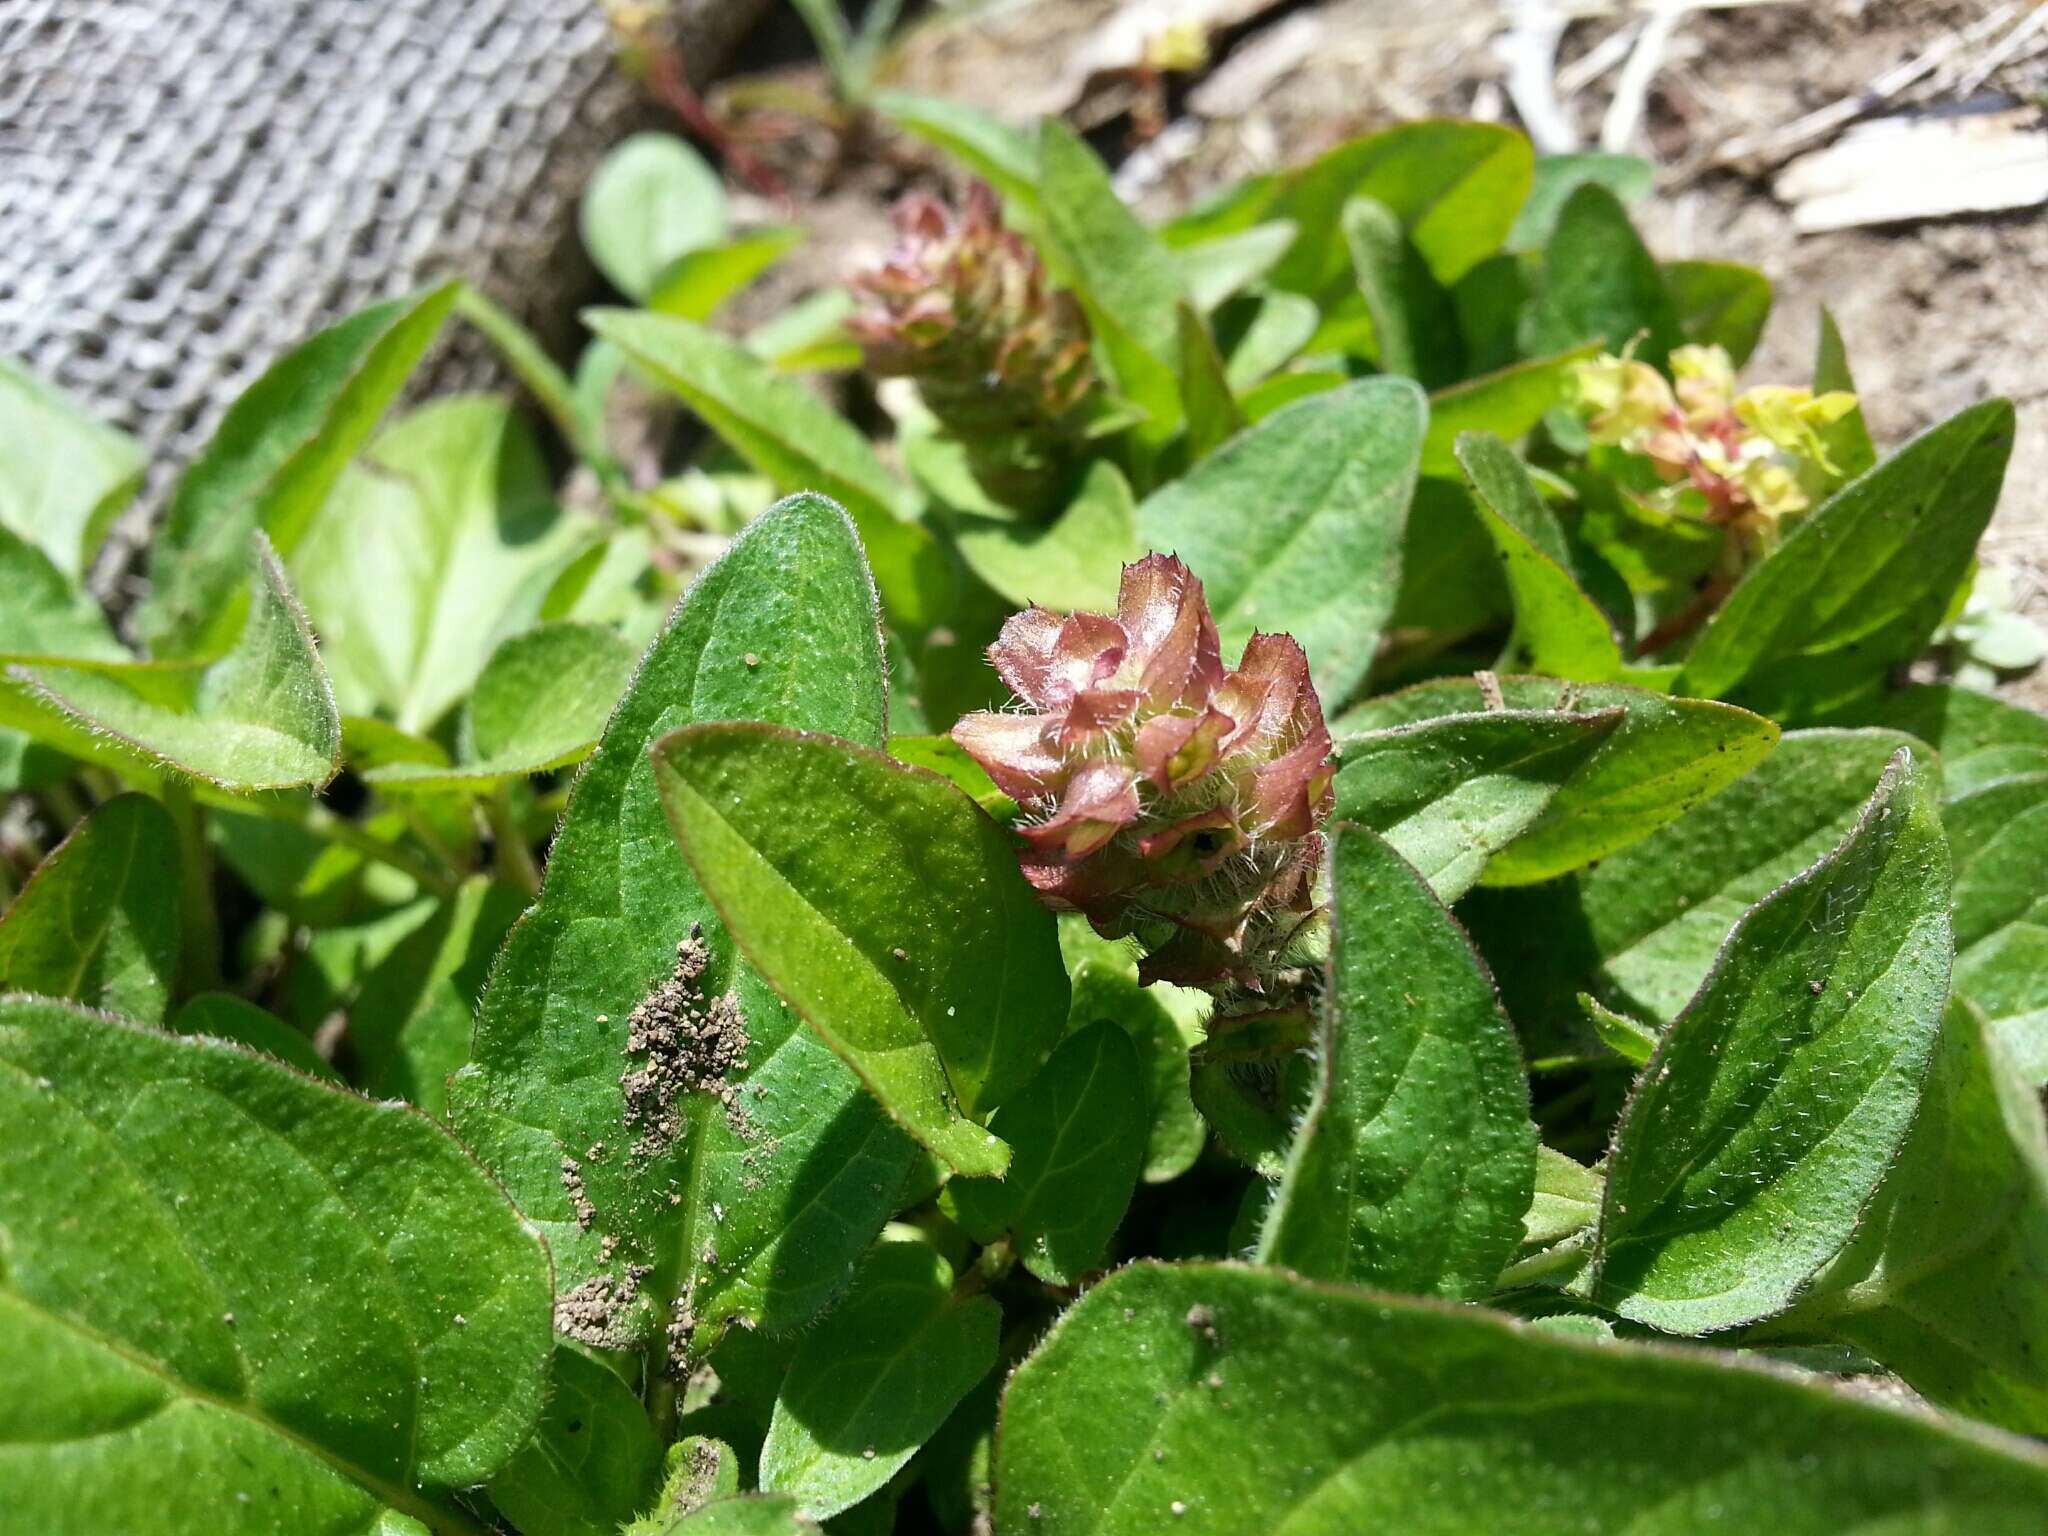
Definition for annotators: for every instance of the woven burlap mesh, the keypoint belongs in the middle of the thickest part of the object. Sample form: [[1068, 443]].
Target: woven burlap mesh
[[189, 187]]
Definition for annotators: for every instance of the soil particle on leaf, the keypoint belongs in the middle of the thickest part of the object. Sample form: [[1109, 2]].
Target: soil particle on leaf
[[679, 1040], [594, 1313], [572, 1181]]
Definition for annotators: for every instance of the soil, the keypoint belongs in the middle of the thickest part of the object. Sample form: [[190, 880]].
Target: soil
[[679, 1041], [1936, 314]]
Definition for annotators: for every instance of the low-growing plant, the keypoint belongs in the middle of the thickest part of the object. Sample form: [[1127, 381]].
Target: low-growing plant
[[1298, 885]]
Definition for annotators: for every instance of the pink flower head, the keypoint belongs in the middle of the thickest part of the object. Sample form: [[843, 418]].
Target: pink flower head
[[963, 306], [1159, 790]]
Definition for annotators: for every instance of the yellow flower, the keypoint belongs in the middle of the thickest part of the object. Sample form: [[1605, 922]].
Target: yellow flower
[[1792, 418], [1623, 400], [1706, 383]]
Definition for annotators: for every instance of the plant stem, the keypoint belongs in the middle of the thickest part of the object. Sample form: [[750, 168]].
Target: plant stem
[[515, 859], [324, 823], [62, 802], [201, 923]]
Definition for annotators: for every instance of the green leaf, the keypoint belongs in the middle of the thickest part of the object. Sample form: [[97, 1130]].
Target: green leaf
[[1566, 1199], [800, 1165], [1667, 756], [224, 1016], [1163, 1021], [1450, 793], [540, 702], [1212, 411], [1599, 285], [652, 200], [1776, 1100], [1947, 1280], [1215, 1399], [1558, 628], [877, 898], [98, 920], [748, 1515], [1216, 269], [1720, 304], [875, 1380], [410, 1023], [278, 453], [1004, 156], [223, 1277], [945, 757], [695, 284], [1417, 1160], [440, 542], [1119, 268], [1507, 403], [593, 1463], [47, 613], [1847, 440], [1073, 563], [63, 476], [1454, 186], [1641, 929], [1077, 1133], [261, 717], [789, 435], [1279, 326], [1629, 177], [1331, 478], [1415, 330], [1861, 582], [1628, 1038]]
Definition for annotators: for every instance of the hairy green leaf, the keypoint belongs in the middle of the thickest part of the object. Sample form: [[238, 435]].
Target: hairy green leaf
[[441, 541], [1454, 187], [1077, 1135], [1774, 1103], [1296, 524], [224, 1016], [1947, 1281], [796, 440], [1640, 930], [261, 717], [540, 702], [1164, 1021], [887, 909], [245, 1301], [875, 1380], [1720, 303], [1120, 269], [1599, 284], [1629, 177], [1217, 1399], [1450, 793], [1558, 628], [1416, 1161], [786, 1148], [1506, 403], [1863, 580], [279, 451], [98, 921], [1073, 563], [1665, 757], [593, 1462]]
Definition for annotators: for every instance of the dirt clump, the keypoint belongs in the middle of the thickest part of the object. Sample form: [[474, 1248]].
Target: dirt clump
[[680, 1041], [594, 1312]]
